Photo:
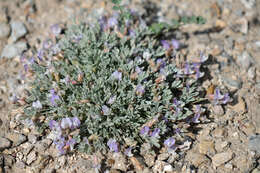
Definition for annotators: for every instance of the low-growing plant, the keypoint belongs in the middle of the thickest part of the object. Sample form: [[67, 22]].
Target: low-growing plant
[[115, 83]]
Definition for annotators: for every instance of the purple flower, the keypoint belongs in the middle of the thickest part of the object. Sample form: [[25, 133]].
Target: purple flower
[[66, 123], [140, 89], [40, 54], [217, 96], [187, 69], [165, 44], [175, 44], [102, 23], [161, 63], [111, 22], [196, 117], [56, 29], [37, 104], [155, 133], [117, 75], [226, 99], [144, 130], [105, 110], [138, 70], [131, 33], [85, 140], [47, 44], [177, 130], [55, 49], [54, 124], [128, 152], [22, 58], [31, 60], [77, 38], [54, 97], [111, 100], [70, 143], [75, 122], [169, 143], [113, 146], [60, 144], [25, 67]]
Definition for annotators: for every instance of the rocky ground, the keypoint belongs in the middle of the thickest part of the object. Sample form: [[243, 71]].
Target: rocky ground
[[228, 139]]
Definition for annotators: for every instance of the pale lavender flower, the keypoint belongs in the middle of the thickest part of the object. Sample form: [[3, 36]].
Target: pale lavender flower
[[70, 143], [161, 63], [138, 70], [177, 130], [66, 123], [112, 21], [22, 58], [53, 124], [105, 110], [217, 96], [131, 33], [128, 152], [187, 69], [60, 144], [165, 44], [196, 117], [169, 143], [103, 23], [155, 133], [77, 38], [175, 44], [55, 49], [226, 99], [117, 75], [40, 54], [75, 122], [140, 89], [85, 140], [145, 130], [25, 67], [47, 44], [37, 104], [111, 100], [54, 97], [31, 60], [56, 29], [113, 145]]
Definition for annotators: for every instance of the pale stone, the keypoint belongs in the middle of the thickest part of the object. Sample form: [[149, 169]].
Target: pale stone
[[221, 158]]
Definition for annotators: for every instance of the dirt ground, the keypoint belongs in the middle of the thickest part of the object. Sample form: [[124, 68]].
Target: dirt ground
[[229, 139]]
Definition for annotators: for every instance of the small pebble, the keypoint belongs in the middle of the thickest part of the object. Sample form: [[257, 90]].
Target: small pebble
[[254, 143], [245, 60], [4, 30], [18, 31], [4, 143]]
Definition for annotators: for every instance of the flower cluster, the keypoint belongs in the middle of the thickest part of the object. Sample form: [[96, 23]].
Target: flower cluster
[[63, 140], [120, 80]]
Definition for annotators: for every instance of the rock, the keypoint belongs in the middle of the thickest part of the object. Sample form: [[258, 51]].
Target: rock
[[232, 84], [4, 143], [245, 60], [168, 168], [32, 138], [18, 30], [206, 146], [16, 138], [221, 158], [218, 110], [12, 50], [62, 161], [218, 133], [4, 30], [256, 170], [220, 145], [31, 157], [49, 170], [159, 166], [240, 107], [149, 159], [137, 164], [248, 3], [9, 160], [220, 24], [42, 145], [120, 162], [163, 156], [196, 159], [254, 143], [20, 165], [251, 73]]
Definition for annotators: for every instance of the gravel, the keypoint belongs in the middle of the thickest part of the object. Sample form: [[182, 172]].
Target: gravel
[[18, 30]]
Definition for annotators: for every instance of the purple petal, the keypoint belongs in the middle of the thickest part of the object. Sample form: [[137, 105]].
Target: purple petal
[[37, 104], [111, 22], [175, 44], [128, 152], [75, 122], [226, 99], [156, 132], [165, 44], [47, 44], [144, 130], [40, 55], [71, 143], [195, 119], [111, 100], [53, 124], [66, 123], [161, 63], [203, 57], [140, 89], [169, 142], [56, 29], [25, 67], [117, 75], [105, 110], [112, 144]]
